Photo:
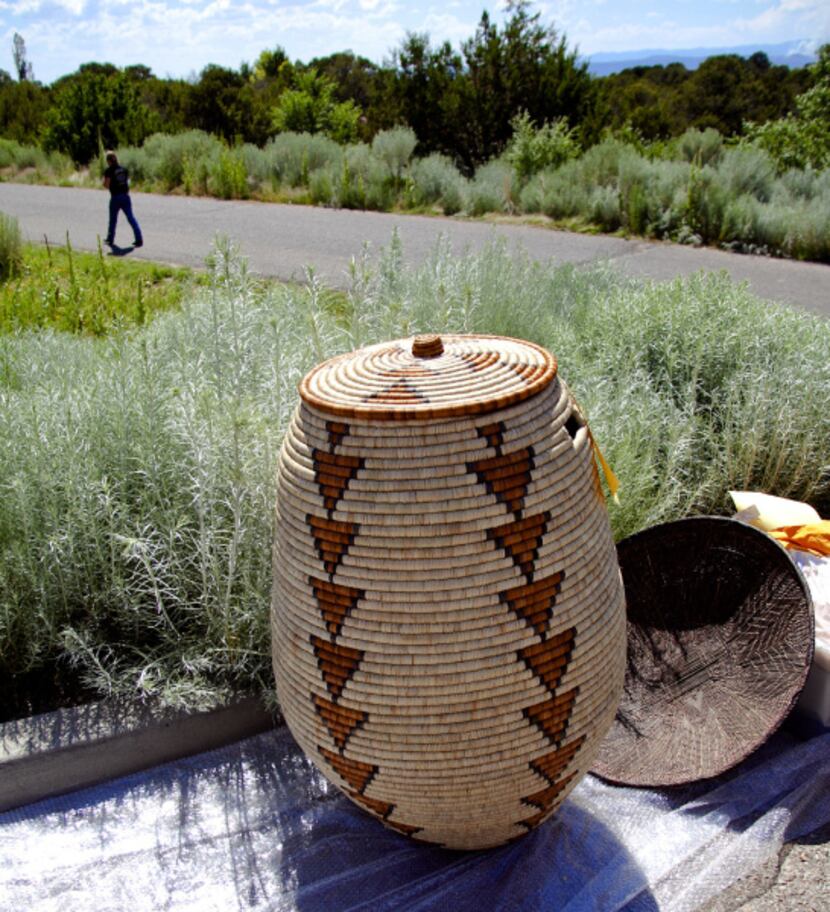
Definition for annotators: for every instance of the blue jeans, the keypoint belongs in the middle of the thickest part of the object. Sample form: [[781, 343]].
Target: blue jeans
[[120, 202]]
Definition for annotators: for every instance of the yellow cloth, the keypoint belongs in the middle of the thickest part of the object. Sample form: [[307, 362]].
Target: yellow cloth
[[812, 537], [610, 478]]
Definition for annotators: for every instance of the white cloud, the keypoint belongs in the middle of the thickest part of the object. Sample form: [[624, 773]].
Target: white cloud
[[180, 36]]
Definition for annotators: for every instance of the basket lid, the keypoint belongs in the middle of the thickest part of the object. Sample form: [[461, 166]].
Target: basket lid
[[429, 376], [720, 641]]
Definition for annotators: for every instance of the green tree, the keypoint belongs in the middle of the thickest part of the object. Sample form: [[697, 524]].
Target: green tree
[[310, 106], [360, 81], [463, 104], [269, 64], [97, 106], [722, 93], [23, 110], [524, 67], [801, 139], [425, 91], [25, 71], [214, 103]]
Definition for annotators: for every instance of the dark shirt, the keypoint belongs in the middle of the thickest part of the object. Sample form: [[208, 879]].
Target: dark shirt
[[118, 179]]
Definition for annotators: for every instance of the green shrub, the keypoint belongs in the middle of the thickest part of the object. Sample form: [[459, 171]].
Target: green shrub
[[700, 147], [363, 161], [531, 149], [175, 160], [491, 189], [48, 166], [10, 246], [8, 148], [563, 193], [227, 177], [321, 187], [604, 208], [706, 200], [600, 165], [797, 184], [746, 171], [257, 166], [294, 156], [394, 148], [436, 180], [633, 182]]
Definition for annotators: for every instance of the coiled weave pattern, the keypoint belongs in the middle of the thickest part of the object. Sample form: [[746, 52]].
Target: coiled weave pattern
[[448, 620]]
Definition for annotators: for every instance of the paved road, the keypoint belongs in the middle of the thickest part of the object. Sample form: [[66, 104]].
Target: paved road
[[281, 240]]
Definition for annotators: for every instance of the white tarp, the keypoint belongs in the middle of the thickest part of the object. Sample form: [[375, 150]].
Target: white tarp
[[255, 827]]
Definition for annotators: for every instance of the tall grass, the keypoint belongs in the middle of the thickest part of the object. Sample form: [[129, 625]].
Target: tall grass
[[135, 525], [10, 246]]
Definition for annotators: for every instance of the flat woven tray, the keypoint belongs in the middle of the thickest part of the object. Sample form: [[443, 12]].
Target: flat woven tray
[[720, 641]]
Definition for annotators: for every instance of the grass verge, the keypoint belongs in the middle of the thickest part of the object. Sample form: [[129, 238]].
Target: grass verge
[[87, 293]]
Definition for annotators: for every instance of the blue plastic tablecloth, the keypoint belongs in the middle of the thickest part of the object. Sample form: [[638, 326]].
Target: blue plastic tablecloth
[[254, 827]]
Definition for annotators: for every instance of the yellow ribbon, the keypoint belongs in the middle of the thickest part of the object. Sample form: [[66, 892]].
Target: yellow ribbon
[[610, 478]]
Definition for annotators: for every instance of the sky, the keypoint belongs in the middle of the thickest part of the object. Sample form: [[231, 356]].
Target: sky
[[177, 39]]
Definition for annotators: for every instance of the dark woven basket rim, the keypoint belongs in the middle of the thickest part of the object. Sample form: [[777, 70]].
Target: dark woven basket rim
[[711, 532]]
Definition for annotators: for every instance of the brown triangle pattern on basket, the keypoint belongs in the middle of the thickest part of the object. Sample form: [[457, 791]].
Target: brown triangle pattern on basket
[[529, 372], [357, 773], [333, 473], [337, 430], [549, 659], [332, 540], [506, 476], [494, 435], [341, 721], [404, 828], [544, 798], [398, 372], [337, 664], [551, 766], [534, 602], [382, 808], [551, 716], [399, 393], [520, 540], [480, 360], [335, 601], [546, 801]]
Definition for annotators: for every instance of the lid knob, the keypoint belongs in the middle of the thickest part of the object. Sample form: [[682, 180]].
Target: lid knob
[[428, 346]]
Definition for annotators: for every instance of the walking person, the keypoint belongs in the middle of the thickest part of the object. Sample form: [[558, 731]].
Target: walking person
[[116, 180]]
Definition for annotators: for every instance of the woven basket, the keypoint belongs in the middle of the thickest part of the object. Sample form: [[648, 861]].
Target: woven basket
[[448, 620], [720, 641]]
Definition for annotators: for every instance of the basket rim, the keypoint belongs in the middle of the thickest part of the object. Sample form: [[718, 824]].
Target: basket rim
[[384, 411]]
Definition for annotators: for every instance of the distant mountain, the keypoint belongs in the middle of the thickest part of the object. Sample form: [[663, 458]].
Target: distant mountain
[[790, 53]]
